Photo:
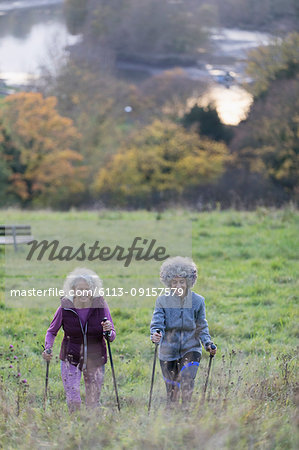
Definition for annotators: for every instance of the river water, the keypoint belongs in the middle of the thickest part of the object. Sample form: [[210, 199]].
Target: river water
[[32, 31]]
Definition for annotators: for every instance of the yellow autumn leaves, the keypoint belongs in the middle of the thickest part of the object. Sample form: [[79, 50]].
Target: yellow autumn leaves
[[161, 158], [42, 151]]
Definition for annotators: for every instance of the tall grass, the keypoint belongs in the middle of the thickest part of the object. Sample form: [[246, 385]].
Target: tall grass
[[248, 275]]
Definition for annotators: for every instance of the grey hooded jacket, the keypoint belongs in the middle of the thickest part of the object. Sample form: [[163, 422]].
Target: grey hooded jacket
[[183, 325]]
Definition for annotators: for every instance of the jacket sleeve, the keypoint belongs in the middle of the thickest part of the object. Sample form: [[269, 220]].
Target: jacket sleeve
[[53, 329], [202, 325], [158, 319]]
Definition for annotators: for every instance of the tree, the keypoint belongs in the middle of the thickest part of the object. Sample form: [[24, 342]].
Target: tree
[[273, 62], [75, 14], [169, 91], [10, 167], [254, 13], [160, 163], [267, 142], [96, 100], [46, 168], [207, 123], [139, 29], [5, 171]]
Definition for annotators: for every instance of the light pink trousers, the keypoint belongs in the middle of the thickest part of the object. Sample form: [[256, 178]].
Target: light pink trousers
[[93, 379]]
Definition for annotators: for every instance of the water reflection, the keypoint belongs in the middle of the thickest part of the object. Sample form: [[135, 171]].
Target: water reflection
[[12, 5], [18, 23], [235, 43], [26, 38], [232, 104]]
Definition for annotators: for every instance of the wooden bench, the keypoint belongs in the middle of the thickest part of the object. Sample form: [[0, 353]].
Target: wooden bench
[[15, 234]]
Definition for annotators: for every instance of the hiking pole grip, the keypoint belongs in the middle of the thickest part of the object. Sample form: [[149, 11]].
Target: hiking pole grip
[[106, 333], [49, 350], [157, 343], [213, 347]]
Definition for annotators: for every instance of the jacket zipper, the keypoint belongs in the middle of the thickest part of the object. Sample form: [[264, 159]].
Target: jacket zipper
[[84, 338]]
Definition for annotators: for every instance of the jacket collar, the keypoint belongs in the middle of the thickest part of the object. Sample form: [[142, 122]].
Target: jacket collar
[[187, 300]]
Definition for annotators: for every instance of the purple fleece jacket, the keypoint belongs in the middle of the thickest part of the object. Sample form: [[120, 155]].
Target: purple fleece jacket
[[56, 324]]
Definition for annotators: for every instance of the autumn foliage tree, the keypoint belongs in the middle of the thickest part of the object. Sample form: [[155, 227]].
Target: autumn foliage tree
[[39, 148], [160, 163], [267, 142], [277, 61], [143, 29]]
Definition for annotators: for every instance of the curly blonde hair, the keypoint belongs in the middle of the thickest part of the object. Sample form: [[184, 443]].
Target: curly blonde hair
[[178, 266], [81, 273]]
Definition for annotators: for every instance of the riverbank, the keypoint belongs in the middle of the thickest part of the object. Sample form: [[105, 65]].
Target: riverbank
[[26, 4], [23, 50]]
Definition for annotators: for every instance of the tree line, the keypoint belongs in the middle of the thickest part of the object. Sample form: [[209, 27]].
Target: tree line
[[89, 138]]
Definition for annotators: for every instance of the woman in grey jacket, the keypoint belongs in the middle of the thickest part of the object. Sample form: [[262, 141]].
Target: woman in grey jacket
[[180, 317]]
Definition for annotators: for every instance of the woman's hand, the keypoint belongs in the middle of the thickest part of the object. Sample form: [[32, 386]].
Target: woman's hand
[[47, 354], [156, 337], [107, 325], [212, 351]]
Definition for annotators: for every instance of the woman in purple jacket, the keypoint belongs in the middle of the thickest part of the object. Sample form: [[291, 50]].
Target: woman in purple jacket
[[83, 347]]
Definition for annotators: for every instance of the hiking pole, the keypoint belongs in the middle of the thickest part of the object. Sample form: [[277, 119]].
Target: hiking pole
[[213, 346], [106, 334], [153, 374], [49, 351]]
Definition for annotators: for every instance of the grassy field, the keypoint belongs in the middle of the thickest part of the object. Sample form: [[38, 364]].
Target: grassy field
[[248, 264]]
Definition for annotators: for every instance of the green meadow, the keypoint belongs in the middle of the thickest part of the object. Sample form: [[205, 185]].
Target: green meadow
[[248, 274]]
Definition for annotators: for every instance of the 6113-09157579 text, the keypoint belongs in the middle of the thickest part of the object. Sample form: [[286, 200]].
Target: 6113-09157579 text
[[101, 292]]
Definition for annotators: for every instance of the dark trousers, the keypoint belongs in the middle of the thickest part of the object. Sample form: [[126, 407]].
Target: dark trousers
[[179, 376]]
